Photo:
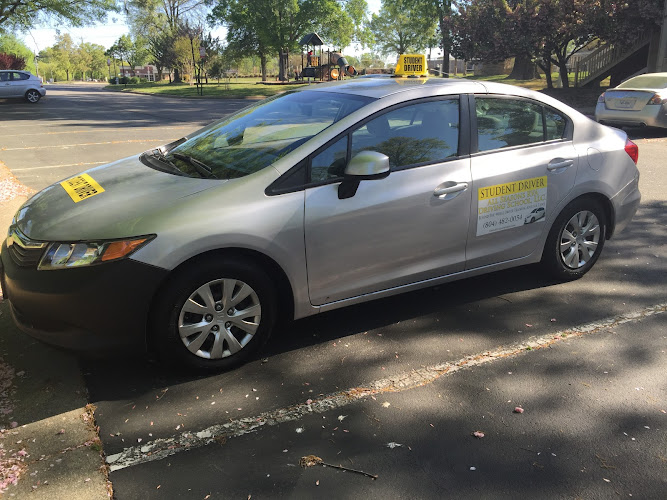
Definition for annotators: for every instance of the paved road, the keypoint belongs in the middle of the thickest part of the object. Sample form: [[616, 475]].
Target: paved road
[[354, 361], [77, 127]]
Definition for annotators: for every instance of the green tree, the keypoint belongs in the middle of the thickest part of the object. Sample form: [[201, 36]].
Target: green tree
[[400, 28], [64, 53], [264, 27], [26, 13], [547, 31], [10, 44]]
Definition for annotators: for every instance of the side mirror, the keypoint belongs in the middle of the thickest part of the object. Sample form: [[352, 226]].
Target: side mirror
[[366, 165]]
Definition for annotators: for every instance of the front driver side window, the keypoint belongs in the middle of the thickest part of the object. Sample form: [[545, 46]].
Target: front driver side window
[[426, 132]]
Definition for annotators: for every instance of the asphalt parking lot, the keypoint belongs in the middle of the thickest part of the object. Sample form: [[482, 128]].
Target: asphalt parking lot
[[393, 388]]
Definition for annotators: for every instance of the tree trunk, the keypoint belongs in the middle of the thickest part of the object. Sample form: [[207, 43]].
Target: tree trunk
[[282, 71], [524, 69], [546, 67], [262, 62], [562, 68], [177, 75]]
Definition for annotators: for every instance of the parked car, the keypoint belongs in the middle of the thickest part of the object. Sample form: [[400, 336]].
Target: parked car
[[534, 215], [639, 101], [309, 201], [15, 83]]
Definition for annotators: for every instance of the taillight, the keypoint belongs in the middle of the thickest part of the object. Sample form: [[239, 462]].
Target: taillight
[[632, 150], [601, 98], [657, 99]]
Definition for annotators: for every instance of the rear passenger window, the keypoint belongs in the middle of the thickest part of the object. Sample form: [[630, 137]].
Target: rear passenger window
[[503, 123], [426, 132], [555, 125]]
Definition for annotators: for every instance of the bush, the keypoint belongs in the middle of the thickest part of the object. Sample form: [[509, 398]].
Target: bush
[[133, 80], [10, 61]]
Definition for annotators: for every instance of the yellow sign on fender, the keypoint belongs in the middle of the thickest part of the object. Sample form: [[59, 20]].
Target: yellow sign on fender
[[81, 187], [411, 65]]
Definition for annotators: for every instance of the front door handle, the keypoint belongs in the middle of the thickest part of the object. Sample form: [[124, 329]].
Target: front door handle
[[448, 190], [559, 163]]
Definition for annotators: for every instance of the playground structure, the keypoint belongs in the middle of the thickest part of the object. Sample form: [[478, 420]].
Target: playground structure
[[322, 65]]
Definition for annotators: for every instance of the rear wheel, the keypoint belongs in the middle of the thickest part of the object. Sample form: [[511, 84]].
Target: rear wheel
[[32, 96], [214, 315], [576, 239]]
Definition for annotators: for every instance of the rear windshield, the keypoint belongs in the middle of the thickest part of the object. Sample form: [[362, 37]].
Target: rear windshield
[[645, 82], [256, 137]]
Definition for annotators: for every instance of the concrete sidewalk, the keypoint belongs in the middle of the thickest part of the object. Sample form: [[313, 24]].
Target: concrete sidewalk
[[49, 446]]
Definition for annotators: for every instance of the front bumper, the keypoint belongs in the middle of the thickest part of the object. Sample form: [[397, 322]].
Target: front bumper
[[649, 116], [85, 309]]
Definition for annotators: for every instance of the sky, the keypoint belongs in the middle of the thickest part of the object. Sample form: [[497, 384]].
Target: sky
[[108, 32]]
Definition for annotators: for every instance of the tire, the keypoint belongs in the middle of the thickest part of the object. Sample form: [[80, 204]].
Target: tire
[[213, 315], [32, 96], [569, 254]]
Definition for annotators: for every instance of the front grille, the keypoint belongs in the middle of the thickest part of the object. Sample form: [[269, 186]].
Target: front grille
[[23, 251], [25, 257]]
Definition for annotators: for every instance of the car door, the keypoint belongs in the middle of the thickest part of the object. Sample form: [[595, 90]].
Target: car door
[[5, 84], [524, 167], [407, 227], [18, 84]]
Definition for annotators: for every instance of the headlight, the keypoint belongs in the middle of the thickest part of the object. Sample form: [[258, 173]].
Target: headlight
[[64, 255]]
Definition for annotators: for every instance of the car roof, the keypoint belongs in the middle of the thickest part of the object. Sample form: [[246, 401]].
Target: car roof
[[382, 87]]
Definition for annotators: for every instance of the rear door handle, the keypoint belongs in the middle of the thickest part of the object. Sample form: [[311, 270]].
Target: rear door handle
[[448, 188], [559, 163]]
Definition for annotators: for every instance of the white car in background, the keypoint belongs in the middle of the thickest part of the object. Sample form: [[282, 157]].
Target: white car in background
[[15, 83], [639, 101]]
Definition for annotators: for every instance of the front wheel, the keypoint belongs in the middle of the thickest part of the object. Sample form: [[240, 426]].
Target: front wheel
[[32, 96], [214, 315], [575, 240]]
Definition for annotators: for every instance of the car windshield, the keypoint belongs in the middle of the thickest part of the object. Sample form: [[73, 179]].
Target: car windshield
[[256, 137], [645, 82]]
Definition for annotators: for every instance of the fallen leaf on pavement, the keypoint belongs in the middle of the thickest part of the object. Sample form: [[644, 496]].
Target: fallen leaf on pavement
[[478, 434]]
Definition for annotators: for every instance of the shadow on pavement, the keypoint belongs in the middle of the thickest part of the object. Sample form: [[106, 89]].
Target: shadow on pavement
[[341, 349]]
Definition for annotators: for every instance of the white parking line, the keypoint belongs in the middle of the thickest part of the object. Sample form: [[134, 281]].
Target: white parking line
[[159, 141], [162, 448], [88, 131], [59, 166]]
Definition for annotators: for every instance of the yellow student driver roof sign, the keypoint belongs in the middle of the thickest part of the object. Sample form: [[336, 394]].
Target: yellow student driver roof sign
[[411, 65]]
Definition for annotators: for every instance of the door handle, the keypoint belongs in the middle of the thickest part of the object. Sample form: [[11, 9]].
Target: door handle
[[559, 163], [449, 187]]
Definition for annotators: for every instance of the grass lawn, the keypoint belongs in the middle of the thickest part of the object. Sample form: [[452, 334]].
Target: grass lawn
[[237, 88]]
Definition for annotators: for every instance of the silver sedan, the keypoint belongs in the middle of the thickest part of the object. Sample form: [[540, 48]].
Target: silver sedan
[[310, 201], [639, 101]]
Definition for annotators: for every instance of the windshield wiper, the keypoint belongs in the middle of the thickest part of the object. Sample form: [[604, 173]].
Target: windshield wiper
[[156, 154], [201, 167]]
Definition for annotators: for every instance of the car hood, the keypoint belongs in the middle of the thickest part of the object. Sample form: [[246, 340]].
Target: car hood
[[133, 194]]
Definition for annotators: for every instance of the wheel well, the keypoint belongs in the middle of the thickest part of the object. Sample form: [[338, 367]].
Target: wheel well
[[608, 210], [283, 287]]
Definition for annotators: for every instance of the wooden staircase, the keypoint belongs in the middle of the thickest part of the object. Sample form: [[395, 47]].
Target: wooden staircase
[[598, 65]]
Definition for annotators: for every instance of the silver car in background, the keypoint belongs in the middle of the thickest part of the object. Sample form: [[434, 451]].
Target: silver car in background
[[18, 83], [639, 101], [309, 201]]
